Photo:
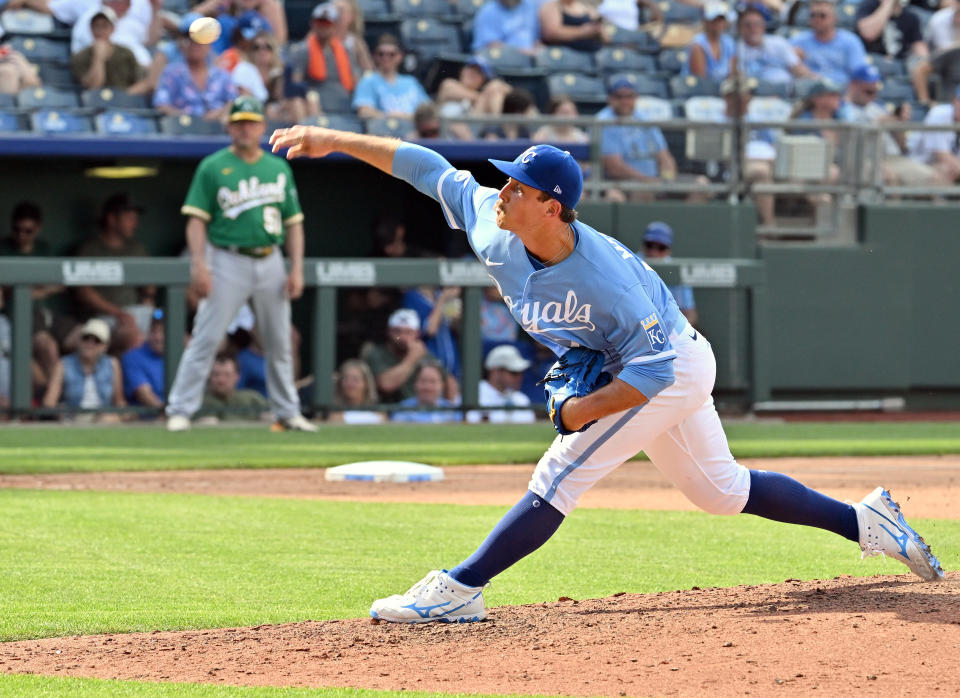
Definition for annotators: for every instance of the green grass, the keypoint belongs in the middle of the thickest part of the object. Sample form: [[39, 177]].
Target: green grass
[[42, 686], [87, 562], [38, 449]]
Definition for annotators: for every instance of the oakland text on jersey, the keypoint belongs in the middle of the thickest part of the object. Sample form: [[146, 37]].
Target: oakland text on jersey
[[250, 194]]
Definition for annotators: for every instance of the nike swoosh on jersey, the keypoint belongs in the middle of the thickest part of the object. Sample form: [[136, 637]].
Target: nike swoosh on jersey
[[491, 263]]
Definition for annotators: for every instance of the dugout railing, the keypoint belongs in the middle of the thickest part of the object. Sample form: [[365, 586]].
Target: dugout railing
[[323, 277]]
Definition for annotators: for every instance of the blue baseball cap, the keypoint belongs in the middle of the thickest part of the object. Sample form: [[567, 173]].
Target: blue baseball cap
[[866, 73], [251, 23], [660, 232], [548, 169], [188, 19], [619, 82]]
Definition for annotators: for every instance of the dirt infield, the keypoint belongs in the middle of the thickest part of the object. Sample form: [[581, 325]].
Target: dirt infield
[[881, 635]]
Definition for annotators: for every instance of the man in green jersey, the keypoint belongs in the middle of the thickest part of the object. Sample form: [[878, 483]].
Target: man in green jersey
[[241, 206]]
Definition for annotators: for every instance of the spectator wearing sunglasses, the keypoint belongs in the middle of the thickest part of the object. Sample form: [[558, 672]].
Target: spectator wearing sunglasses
[[260, 74], [385, 92], [658, 244], [89, 378], [827, 50]]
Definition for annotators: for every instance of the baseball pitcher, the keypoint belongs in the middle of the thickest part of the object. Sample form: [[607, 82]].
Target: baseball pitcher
[[632, 373]]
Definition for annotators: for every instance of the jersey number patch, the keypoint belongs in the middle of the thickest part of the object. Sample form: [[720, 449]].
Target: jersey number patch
[[272, 222]]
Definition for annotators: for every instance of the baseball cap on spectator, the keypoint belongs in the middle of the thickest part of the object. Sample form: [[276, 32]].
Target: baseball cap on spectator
[[481, 64], [823, 86], [866, 73], [659, 232], [95, 327], [246, 108], [745, 7], [188, 19], [620, 83], [406, 318], [107, 13], [325, 11], [715, 10], [507, 357], [251, 23], [548, 169]]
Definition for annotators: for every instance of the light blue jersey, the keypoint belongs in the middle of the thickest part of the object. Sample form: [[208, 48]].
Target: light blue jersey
[[602, 296]]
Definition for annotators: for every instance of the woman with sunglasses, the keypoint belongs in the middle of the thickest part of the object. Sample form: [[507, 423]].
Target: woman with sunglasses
[[259, 73], [88, 379]]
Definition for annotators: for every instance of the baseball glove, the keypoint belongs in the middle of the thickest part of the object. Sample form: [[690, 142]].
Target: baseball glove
[[578, 372]]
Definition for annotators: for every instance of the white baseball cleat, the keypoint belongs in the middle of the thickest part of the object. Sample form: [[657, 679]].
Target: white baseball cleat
[[177, 422], [883, 531], [297, 423], [436, 597]]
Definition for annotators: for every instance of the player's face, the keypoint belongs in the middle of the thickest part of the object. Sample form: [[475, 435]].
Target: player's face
[[247, 135], [428, 386], [518, 207]]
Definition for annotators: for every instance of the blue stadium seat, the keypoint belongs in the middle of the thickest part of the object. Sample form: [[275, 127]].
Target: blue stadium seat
[[683, 86], [562, 59], [888, 67], [587, 91], [47, 97], [783, 90], [506, 57], [704, 108], [437, 9], [120, 123], [374, 8], [896, 91], [675, 12], [53, 122], [653, 108], [107, 98], [11, 122], [428, 37], [8, 101], [341, 122], [637, 40], [672, 60], [644, 84], [618, 59], [57, 75], [468, 8], [390, 126], [847, 17], [183, 125], [38, 48], [23, 22], [769, 109], [334, 99]]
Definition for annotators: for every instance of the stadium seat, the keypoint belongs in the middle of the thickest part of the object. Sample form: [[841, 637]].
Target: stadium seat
[[333, 98], [52, 122], [57, 75], [341, 122], [583, 89], [8, 101], [619, 59], [888, 67], [684, 86], [428, 37], [847, 17], [675, 12], [506, 57], [437, 9], [47, 97], [183, 125], [468, 8], [704, 109], [113, 99], [783, 90], [643, 84], [561, 59], [672, 60], [637, 40], [374, 8], [37, 49], [896, 91], [120, 123], [653, 108], [769, 109], [22, 22], [11, 122], [390, 126]]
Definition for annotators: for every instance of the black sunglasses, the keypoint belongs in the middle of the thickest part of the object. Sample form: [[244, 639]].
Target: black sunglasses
[[262, 47], [655, 246], [818, 15], [91, 338]]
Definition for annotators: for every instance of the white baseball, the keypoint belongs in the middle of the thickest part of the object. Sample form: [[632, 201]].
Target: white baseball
[[205, 30]]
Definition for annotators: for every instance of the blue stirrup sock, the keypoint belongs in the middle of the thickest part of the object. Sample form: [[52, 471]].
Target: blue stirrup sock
[[523, 529], [780, 498]]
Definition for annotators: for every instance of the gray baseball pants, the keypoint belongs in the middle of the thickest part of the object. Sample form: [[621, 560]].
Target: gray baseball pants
[[236, 279]]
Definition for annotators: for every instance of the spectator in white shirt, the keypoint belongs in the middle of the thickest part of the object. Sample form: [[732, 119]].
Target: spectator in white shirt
[[505, 367], [941, 149]]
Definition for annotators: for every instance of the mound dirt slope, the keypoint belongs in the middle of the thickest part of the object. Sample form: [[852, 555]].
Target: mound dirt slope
[[883, 635]]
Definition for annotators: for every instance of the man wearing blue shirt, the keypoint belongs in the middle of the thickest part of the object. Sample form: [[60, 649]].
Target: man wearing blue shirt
[[634, 153], [826, 50], [385, 92], [143, 373], [570, 286], [510, 22]]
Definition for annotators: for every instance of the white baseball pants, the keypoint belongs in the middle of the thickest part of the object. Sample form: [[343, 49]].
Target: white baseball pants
[[679, 430], [237, 279]]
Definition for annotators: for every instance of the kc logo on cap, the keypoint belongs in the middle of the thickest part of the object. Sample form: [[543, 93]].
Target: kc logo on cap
[[548, 169]]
